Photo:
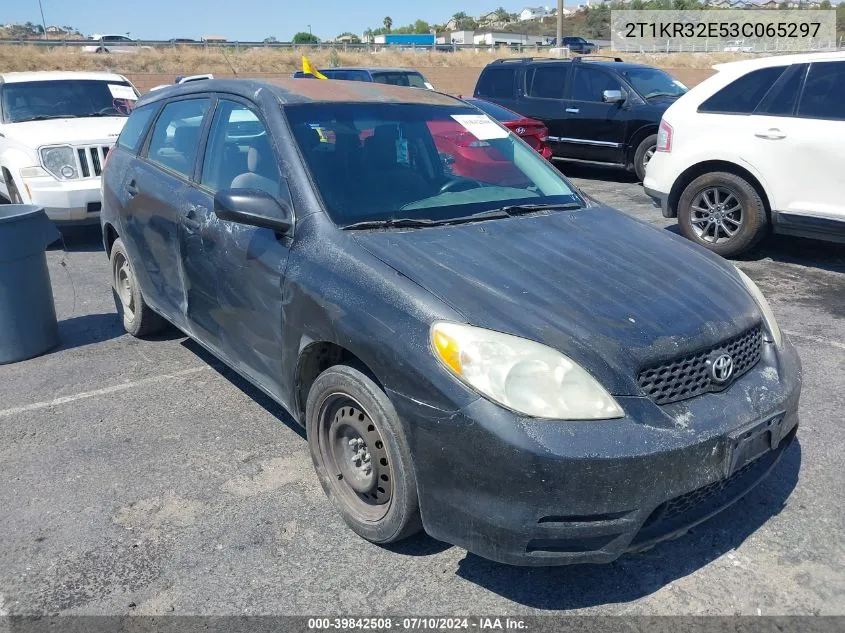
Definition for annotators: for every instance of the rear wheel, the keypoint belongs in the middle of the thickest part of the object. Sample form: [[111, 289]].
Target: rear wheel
[[645, 150], [723, 212], [361, 456], [138, 318]]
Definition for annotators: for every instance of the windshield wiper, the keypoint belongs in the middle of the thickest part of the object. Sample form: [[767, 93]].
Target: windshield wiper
[[662, 94], [414, 223], [520, 209], [44, 117], [390, 223]]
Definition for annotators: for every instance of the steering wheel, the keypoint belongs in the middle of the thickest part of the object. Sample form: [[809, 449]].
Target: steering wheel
[[459, 183]]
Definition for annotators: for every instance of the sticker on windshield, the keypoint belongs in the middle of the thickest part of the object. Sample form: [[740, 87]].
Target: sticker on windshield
[[480, 126], [122, 92]]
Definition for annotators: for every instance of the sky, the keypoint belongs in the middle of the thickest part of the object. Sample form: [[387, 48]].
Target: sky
[[239, 20]]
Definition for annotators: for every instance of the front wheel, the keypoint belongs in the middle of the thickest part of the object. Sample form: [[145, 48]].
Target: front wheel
[[723, 212], [645, 150], [360, 454]]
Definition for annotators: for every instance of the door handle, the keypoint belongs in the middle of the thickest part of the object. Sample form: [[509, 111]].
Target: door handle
[[131, 189], [772, 134], [573, 110]]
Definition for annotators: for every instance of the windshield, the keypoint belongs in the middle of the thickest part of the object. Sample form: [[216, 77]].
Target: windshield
[[651, 82], [69, 98], [399, 78], [497, 112], [387, 161]]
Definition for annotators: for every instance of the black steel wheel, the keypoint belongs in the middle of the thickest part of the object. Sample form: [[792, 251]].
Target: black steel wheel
[[361, 456]]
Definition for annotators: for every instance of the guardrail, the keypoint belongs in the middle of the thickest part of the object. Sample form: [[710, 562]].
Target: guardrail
[[344, 46]]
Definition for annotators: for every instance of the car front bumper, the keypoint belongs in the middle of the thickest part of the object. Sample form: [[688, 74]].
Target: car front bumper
[[66, 203], [524, 491]]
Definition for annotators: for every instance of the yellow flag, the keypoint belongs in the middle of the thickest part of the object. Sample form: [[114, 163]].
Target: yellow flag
[[310, 70]]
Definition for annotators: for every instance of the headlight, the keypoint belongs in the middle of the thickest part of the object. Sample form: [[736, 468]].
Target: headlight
[[59, 161], [522, 375], [765, 308]]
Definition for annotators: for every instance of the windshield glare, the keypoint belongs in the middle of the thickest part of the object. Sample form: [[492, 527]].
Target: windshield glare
[[651, 82], [376, 161], [34, 100], [414, 80]]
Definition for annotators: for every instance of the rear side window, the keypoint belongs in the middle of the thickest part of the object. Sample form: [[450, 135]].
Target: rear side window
[[176, 135], [548, 82], [743, 95], [496, 82], [133, 132], [782, 98], [824, 92]]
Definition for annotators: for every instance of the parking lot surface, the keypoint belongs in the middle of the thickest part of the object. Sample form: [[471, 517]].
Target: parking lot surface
[[143, 477]]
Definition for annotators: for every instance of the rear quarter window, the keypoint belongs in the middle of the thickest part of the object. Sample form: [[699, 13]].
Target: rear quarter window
[[496, 82], [136, 125]]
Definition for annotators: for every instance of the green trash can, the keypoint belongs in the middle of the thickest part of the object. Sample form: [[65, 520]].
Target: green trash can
[[28, 326]]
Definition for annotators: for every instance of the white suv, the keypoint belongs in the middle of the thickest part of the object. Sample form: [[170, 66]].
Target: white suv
[[56, 129], [758, 146]]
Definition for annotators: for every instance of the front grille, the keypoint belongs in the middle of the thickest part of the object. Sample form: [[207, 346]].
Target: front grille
[[91, 160], [689, 376]]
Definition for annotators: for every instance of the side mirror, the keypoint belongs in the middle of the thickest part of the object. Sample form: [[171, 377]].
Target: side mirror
[[613, 96], [253, 207]]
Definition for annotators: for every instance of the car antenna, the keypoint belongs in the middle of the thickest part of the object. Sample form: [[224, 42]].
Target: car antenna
[[223, 52]]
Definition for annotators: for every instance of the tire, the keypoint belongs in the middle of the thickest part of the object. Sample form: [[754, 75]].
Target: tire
[[350, 424], [138, 319], [645, 150], [718, 193]]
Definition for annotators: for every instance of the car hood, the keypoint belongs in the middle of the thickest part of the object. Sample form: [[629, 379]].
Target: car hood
[[79, 131], [613, 293]]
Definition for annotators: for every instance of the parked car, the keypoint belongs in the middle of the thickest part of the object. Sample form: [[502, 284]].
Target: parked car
[[56, 130], [183, 80], [576, 45], [596, 110], [392, 76], [759, 146], [533, 132], [737, 46], [112, 44], [513, 368]]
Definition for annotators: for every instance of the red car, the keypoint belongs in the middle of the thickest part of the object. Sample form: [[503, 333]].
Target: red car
[[531, 131]]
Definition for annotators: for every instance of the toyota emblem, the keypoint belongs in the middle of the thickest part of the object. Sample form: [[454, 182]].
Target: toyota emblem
[[722, 368], [520, 131]]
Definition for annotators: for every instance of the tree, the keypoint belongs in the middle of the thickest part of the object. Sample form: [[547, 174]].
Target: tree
[[421, 26], [825, 4], [270, 40], [597, 23], [502, 15], [388, 22], [305, 38], [352, 37]]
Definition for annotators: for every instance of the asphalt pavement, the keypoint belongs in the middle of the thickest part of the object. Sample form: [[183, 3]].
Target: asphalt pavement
[[141, 477]]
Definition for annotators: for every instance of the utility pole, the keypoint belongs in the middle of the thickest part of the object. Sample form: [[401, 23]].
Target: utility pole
[[559, 40], [43, 21]]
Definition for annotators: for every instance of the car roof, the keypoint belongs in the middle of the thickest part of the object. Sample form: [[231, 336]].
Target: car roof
[[294, 91], [59, 75], [745, 65], [579, 59], [374, 69]]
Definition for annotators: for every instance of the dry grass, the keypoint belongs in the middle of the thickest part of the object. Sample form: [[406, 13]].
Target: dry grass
[[189, 60]]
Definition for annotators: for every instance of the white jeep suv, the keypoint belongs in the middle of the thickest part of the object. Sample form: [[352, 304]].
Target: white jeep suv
[[56, 129], [758, 146]]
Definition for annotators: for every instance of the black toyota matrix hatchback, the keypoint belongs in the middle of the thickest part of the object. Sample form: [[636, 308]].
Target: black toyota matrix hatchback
[[498, 360]]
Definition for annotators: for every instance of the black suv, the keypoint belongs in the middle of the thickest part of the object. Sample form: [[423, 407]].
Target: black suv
[[597, 110]]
